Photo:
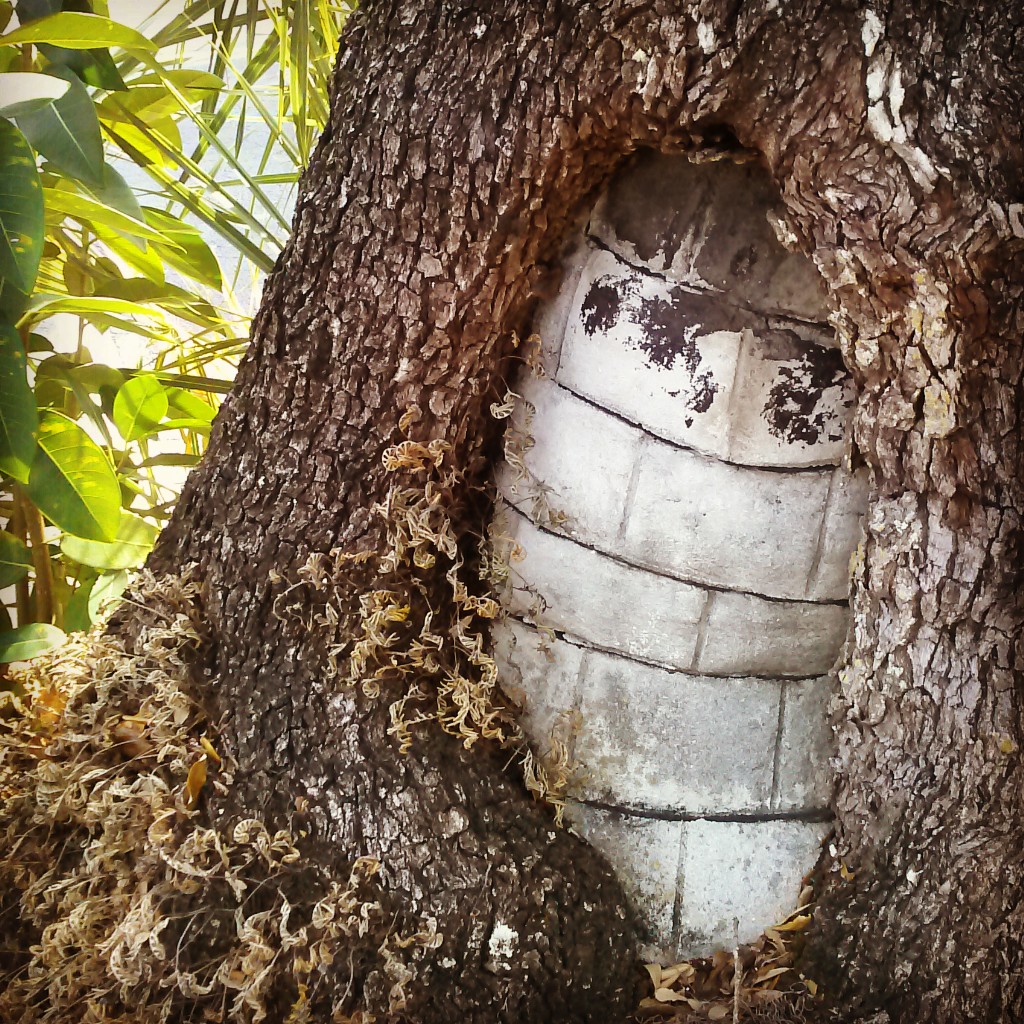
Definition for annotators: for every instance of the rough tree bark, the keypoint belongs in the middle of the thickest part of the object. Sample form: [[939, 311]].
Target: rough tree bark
[[464, 140]]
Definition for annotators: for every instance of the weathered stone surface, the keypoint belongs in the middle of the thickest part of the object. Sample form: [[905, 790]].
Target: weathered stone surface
[[539, 674], [750, 635], [730, 527], [736, 878], [601, 600], [682, 589], [644, 853], [650, 738], [552, 317], [694, 369], [661, 355], [840, 536], [791, 401], [706, 225], [580, 464], [805, 746]]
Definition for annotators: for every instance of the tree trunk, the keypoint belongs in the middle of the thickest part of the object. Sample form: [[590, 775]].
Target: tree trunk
[[463, 143]]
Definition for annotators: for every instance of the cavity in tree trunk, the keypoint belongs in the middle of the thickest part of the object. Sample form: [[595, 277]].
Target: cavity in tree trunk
[[463, 144]]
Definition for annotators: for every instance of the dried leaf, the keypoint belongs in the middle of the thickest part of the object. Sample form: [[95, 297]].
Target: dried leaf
[[794, 924], [195, 782], [666, 995], [718, 1012], [210, 750]]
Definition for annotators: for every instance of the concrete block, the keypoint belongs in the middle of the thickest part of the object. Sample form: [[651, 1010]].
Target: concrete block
[[539, 674], [644, 854], [803, 782], [552, 314], [708, 225], [668, 742], [792, 400], [841, 533], [748, 635], [658, 354], [601, 600], [737, 878], [727, 526], [579, 465]]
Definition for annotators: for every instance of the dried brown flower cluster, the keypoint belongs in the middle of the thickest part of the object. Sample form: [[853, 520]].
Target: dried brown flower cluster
[[119, 903]]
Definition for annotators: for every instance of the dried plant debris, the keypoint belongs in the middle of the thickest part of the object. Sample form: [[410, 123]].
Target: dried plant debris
[[767, 987], [119, 902], [410, 622]]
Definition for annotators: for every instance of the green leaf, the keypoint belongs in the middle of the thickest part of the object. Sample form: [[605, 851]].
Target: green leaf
[[186, 80], [21, 210], [191, 406], [15, 559], [76, 611], [116, 194], [29, 641], [140, 405], [18, 418], [72, 483], [93, 211], [78, 32], [189, 253], [88, 306], [25, 91], [134, 541], [107, 589], [94, 376], [67, 132]]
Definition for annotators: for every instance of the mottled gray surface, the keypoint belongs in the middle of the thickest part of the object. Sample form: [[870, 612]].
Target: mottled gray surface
[[675, 487]]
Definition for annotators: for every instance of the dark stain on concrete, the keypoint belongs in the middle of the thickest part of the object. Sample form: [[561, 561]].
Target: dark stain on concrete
[[603, 304], [669, 329], [793, 411]]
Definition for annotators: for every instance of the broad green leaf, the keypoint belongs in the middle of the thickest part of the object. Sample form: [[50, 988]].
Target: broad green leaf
[[21, 210], [25, 91], [43, 305], [67, 133], [134, 541], [94, 376], [78, 32], [191, 406], [185, 80], [140, 405], [72, 483], [18, 417], [170, 459], [76, 611], [144, 261], [15, 559], [189, 253], [106, 592], [29, 641], [92, 211], [116, 194]]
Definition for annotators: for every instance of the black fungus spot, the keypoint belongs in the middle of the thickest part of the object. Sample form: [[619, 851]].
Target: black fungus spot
[[792, 410], [603, 304]]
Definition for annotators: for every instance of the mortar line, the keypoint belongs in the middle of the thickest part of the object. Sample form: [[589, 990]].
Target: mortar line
[[677, 903], [631, 488], [777, 756], [585, 645], [664, 573], [727, 817], [702, 632], [819, 545], [646, 432]]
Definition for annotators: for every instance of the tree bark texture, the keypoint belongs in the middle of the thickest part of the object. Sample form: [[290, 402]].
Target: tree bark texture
[[464, 142]]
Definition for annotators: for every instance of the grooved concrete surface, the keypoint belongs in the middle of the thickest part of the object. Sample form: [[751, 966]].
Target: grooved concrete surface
[[681, 528]]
